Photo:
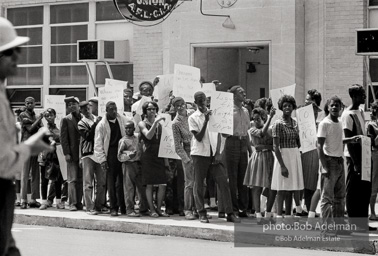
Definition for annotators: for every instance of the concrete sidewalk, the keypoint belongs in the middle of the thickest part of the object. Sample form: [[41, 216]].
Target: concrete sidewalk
[[217, 229]]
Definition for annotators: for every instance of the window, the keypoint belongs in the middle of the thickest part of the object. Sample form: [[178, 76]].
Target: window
[[17, 96], [107, 11], [28, 21], [81, 93], [373, 61], [68, 75], [68, 13], [122, 72], [70, 23], [25, 16]]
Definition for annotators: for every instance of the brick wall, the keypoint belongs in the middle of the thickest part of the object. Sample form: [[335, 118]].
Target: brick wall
[[342, 67], [147, 53]]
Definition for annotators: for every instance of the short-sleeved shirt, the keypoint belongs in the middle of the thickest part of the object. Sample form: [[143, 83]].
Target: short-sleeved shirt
[[348, 122], [287, 132], [333, 134], [196, 122], [241, 121]]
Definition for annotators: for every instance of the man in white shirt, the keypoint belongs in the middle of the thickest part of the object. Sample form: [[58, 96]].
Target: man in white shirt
[[12, 154], [358, 191], [207, 159]]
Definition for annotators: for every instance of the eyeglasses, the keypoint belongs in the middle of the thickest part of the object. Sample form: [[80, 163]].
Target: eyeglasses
[[151, 109], [10, 52]]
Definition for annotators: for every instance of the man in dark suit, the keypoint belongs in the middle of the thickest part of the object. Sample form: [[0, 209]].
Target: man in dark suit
[[70, 140]]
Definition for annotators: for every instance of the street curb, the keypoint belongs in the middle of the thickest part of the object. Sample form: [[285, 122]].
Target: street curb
[[127, 227], [204, 233]]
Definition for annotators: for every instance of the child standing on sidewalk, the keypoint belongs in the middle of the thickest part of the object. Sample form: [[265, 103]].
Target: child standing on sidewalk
[[330, 150], [129, 152]]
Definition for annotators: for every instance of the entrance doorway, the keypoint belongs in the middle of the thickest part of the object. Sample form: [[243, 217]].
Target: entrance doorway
[[245, 65]]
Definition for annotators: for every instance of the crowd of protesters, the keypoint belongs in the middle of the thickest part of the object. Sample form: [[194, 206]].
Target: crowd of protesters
[[113, 165]]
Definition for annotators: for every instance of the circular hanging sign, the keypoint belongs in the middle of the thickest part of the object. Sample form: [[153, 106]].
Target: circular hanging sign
[[145, 10]]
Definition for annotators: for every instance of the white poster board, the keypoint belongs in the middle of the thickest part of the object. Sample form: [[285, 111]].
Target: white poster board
[[113, 82], [111, 93], [366, 158], [167, 144], [62, 161], [208, 89], [164, 87], [222, 118], [276, 94], [307, 128], [57, 103], [186, 82]]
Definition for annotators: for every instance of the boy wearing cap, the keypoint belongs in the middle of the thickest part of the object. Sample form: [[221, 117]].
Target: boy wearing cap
[[12, 154], [129, 152], [30, 125], [70, 140], [92, 170]]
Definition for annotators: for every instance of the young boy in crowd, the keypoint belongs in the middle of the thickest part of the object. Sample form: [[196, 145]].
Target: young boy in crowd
[[330, 150], [129, 152]]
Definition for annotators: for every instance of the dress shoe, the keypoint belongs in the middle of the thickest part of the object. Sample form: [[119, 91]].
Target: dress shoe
[[221, 215], [43, 207], [24, 205], [372, 228], [169, 211], [17, 204], [243, 214], [79, 207], [203, 219], [301, 214], [181, 213], [34, 204], [195, 214], [113, 213], [133, 214], [190, 216], [92, 212], [60, 205], [233, 218], [144, 213], [72, 208]]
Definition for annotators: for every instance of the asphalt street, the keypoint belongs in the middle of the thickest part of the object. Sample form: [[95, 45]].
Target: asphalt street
[[47, 241]]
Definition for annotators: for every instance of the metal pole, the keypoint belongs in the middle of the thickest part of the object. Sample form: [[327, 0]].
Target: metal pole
[[369, 77], [109, 70], [91, 76]]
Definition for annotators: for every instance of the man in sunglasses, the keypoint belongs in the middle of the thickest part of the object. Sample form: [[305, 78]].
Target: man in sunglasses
[[12, 154]]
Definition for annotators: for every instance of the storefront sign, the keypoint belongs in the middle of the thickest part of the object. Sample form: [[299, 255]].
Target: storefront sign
[[145, 10]]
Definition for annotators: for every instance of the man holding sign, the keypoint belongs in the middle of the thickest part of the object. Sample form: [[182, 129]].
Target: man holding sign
[[358, 191], [206, 160], [237, 148]]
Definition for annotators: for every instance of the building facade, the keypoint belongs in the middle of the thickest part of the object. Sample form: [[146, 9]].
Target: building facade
[[274, 43]]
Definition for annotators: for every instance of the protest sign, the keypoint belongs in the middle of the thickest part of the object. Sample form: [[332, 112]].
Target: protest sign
[[164, 87], [112, 93], [208, 88], [222, 118], [62, 161], [366, 158], [113, 82], [276, 94], [307, 128], [57, 103], [186, 82], [167, 145]]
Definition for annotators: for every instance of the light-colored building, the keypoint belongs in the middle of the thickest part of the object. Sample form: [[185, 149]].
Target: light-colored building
[[275, 43]]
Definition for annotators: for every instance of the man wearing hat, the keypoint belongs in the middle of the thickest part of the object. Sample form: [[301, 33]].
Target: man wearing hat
[[70, 140], [12, 154]]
